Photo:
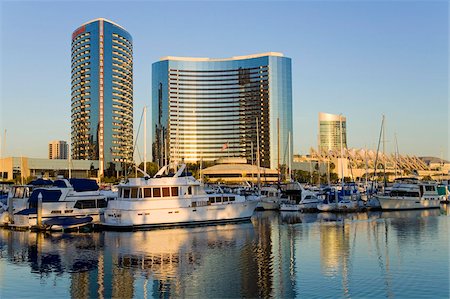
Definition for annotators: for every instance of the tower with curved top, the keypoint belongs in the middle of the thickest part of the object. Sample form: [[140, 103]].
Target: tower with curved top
[[102, 95]]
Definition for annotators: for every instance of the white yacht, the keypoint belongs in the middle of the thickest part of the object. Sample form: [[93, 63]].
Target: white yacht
[[410, 193], [270, 198], [65, 204], [17, 199], [302, 200], [173, 199]]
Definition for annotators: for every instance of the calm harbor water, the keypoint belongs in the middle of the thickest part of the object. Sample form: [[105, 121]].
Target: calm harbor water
[[284, 255]]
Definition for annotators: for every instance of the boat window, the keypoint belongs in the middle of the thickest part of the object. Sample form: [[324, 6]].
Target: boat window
[[232, 198], [156, 192], [189, 190], [165, 191], [147, 192], [19, 193], [174, 191], [85, 204], [212, 200], [55, 212], [225, 199], [218, 199], [126, 193], [429, 188], [101, 203], [134, 192]]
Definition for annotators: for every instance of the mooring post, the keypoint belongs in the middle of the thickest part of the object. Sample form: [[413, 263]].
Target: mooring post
[[11, 210], [39, 210]]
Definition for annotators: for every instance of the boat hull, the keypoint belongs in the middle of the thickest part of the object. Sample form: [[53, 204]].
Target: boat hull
[[393, 203], [178, 216], [268, 205]]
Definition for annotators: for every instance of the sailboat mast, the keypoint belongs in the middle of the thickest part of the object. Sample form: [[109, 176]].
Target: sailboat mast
[[69, 158], [384, 154], [258, 162], [289, 158], [145, 139], [278, 151], [342, 151]]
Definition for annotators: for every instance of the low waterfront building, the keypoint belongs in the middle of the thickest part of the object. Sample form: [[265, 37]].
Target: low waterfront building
[[359, 162], [14, 168], [236, 170]]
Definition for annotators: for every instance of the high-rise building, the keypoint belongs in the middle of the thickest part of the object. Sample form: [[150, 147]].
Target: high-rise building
[[102, 94], [332, 128], [57, 149], [205, 109]]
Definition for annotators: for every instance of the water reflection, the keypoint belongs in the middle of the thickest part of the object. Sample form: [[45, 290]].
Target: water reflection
[[276, 255]]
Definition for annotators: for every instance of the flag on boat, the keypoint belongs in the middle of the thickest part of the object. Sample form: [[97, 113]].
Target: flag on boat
[[224, 146]]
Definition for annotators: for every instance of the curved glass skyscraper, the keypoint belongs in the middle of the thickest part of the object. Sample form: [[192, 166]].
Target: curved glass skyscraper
[[332, 128], [102, 94], [205, 109]]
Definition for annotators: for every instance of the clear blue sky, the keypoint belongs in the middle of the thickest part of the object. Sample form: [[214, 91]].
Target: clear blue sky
[[359, 58]]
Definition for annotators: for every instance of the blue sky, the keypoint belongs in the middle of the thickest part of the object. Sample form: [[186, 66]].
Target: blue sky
[[359, 58]]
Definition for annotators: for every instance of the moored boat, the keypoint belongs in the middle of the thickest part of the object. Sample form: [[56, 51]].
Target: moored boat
[[174, 199], [409, 194], [74, 198], [270, 199]]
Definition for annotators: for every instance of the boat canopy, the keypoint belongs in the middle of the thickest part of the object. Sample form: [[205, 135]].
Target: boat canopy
[[60, 183], [80, 185], [48, 195], [41, 182]]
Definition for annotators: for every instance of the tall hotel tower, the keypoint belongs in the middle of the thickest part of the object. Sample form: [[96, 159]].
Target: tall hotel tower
[[332, 128], [102, 94], [205, 109]]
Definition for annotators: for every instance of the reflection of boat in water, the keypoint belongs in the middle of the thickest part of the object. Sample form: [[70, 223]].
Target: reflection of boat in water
[[410, 213], [410, 193], [293, 218], [174, 199]]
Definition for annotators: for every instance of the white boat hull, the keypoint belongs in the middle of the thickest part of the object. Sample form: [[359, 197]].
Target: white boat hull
[[407, 203], [345, 206], [268, 205], [137, 215]]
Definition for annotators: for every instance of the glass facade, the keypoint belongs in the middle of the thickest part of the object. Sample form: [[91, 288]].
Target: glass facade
[[206, 109], [102, 94], [330, 132]]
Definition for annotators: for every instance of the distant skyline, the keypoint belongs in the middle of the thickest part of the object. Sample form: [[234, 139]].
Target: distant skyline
[[362, 59]]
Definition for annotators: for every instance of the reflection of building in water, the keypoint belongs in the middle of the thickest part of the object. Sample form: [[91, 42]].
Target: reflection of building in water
[[334, 245], [182, 261], [275, 257], [234, 260], [335, 250]]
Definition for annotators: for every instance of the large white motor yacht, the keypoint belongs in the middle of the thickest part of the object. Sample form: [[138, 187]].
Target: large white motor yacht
[[410, 193], [173, 199]]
